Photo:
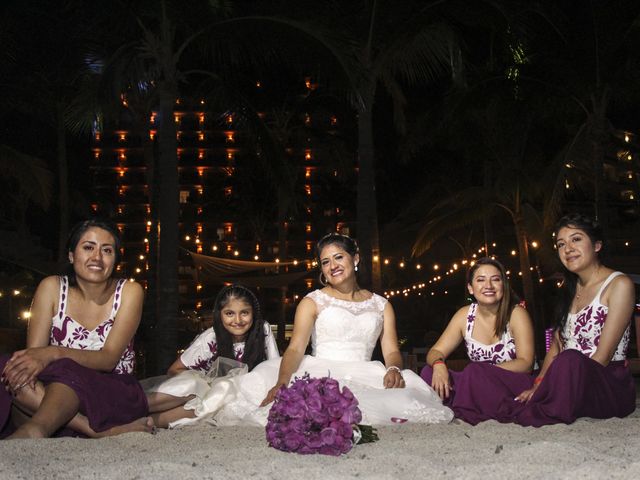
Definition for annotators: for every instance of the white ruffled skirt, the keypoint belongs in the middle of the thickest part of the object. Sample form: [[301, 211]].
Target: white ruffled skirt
[[235, 398]]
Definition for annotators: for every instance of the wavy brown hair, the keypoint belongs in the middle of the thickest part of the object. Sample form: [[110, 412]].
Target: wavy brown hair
[[509, 298]]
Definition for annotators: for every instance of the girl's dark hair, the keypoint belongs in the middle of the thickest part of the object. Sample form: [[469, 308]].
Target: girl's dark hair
[[76, 233], [509, 298], [345, 242], [593, 230], [254, 346]]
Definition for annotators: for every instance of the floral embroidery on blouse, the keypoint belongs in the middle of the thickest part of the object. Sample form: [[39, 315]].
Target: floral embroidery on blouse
[[66, 332], [583, 329], [202, 352], [499, 352]]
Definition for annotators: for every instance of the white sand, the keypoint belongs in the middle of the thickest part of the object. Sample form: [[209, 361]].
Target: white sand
[[587, 449]]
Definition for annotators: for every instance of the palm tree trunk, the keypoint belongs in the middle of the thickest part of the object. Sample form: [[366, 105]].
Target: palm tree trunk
[[168, 216], [63, 182], [283, 254], [527, 282], [599, 135], [367, 210]]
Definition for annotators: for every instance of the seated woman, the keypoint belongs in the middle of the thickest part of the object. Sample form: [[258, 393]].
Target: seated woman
[[239, 332], [344, 323], [585, 373], [499, 339], [76, 369]]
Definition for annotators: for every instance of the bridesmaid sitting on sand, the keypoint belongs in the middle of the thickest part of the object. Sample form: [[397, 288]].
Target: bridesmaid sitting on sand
[[76, 369], [499, 340], [585, 372]]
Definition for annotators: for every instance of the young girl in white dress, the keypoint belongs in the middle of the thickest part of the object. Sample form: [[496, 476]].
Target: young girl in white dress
[[344, 323], [238, 333]]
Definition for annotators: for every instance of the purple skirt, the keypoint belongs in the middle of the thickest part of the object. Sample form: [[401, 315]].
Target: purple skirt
[[479, 390], [106, 399], [575, 386]]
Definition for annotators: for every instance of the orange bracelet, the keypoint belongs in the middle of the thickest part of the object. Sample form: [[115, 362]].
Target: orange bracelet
[[437, 362], [538, 380]]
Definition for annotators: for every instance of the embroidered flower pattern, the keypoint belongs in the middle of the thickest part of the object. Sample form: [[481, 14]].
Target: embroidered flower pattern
[[499, 352], [583, 329], [66, 332]]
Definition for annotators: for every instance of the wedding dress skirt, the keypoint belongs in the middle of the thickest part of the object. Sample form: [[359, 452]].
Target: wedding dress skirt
[[344, 336]]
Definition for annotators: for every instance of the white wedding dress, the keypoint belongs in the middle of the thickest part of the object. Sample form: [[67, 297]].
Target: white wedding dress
[[343, 338]]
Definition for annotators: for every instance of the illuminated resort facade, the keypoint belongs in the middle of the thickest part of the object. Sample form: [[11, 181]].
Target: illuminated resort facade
[[232, 205]]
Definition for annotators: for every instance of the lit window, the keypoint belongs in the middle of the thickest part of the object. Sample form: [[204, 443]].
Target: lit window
[[228, 191], [229, 137], [201, 136], [184, 196]]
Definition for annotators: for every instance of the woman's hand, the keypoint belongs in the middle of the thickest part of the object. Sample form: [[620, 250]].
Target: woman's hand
[[393, 378], [24, 366], [440, 380], [271, 395], [525, 396]]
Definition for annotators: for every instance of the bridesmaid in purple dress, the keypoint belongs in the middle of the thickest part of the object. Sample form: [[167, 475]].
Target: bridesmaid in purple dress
[[76, 369], [585, 372], [499, 339]]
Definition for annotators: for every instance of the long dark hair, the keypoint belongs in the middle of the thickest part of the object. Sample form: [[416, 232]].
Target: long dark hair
[[345, 242], [593, 230], [509, 298], [76, 234], [254, 345]]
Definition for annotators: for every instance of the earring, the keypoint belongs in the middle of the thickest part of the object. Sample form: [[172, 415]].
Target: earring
[[356, 267], [323, 281]]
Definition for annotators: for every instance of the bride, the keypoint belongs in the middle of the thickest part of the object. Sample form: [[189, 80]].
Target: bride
[[344, 323]]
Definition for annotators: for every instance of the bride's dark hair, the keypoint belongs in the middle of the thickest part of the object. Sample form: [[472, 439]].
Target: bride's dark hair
[[345, 242], [593, 230]]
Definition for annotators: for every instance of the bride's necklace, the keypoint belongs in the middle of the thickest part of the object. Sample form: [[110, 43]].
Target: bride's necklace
[[587, 284]]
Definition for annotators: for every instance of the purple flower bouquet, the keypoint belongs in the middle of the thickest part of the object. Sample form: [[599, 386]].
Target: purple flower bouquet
[[312, 415]]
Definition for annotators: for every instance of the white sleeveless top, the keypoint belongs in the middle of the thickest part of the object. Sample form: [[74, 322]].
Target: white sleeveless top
[[345, 330], [66, 332], [501, 351], [582, 330]]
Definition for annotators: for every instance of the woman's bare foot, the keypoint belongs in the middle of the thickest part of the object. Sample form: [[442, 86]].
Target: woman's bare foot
[[28, 430], [144, 424]]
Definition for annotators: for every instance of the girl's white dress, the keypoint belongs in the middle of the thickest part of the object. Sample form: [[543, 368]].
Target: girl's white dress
[[343, 338], [205, 370]]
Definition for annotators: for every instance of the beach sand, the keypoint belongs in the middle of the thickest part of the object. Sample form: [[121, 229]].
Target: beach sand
[[586, 449]]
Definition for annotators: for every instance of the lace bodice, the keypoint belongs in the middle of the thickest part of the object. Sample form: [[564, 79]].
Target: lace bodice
[[582, 330], [501, 351], [344, 330]]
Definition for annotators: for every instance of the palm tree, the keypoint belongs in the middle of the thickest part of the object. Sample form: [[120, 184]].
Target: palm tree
[[46, 76], [516, 179], [373, 44], [591, 48]]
